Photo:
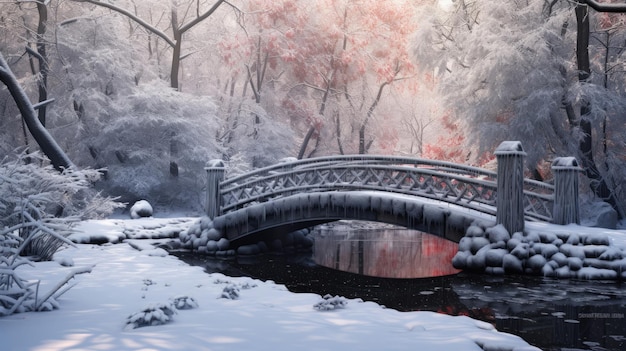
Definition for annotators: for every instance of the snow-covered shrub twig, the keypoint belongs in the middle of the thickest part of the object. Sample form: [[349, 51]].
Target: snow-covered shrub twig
[[330, 302], [38, 207], [153, 314], [41, 204], [184, 302], [230, 292]]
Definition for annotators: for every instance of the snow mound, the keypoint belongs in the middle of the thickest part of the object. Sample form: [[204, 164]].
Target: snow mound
[[116, 231], [141, 208]]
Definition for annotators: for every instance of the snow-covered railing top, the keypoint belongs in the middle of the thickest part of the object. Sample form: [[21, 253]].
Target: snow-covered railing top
[[467, 186]]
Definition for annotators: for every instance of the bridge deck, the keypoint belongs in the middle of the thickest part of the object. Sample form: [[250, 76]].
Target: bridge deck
[[305, 192]]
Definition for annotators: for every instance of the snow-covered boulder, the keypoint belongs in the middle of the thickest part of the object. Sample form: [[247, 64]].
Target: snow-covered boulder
[[141, 208], [601, 215], [561, 254], [248, 250]]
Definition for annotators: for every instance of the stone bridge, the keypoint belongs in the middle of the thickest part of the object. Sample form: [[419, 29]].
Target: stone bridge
[[436, 197]]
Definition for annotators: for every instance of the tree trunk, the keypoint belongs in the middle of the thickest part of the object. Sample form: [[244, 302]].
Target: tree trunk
[[598, 183], [362, 147], [43, 59], [47, 144], [178, 36], [305, 142], [338, 132]]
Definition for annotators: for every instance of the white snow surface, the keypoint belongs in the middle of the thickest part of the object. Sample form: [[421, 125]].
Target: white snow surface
[[127, 280]]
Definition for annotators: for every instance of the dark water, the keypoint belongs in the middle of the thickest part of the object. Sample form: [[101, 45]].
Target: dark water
[[384, 253], [551, 314]]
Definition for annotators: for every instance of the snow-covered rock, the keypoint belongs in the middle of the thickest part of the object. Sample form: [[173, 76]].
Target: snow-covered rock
[[601, 214], [247, 250], [141, 208], [493, 251]]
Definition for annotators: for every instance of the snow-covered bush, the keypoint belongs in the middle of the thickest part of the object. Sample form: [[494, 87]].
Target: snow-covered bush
[[38, 206], [37, 201], [153, 314], [230, 292], [184, 302], [330, 302], [19, 295]]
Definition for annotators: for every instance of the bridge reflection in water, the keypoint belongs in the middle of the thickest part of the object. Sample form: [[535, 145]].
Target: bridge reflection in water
[[386, 253]]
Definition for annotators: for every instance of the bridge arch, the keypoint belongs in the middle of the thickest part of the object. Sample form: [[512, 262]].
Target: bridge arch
[[295, 212]]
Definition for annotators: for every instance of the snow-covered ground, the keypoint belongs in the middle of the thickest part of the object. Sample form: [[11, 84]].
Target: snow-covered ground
[[130, 276]]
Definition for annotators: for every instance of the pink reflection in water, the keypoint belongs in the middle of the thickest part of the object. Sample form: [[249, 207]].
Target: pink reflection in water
[[388, 253]]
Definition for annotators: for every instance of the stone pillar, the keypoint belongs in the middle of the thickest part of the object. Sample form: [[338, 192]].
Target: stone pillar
[[566, 208], [215, 175], [510, 198]]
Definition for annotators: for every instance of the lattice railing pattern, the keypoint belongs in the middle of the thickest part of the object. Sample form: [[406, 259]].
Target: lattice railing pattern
[[466, 186]]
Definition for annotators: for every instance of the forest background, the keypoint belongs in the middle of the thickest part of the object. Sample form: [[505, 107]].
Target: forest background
[[146, 92]]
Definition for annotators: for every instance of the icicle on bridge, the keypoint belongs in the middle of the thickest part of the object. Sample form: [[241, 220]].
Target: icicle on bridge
[[436, 197]]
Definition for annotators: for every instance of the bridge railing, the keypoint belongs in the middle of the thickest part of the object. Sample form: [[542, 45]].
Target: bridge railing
[[505, 193], [473, 193]]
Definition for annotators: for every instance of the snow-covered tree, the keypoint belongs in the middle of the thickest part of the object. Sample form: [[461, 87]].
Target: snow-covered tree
[[135, 129], [179, 25], [509, 71], [329, 65]]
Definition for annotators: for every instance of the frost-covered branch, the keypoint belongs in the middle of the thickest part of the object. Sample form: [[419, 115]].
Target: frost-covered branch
[[137, 19], [57, 291], [604, 7], [48, 145], [201, 18]]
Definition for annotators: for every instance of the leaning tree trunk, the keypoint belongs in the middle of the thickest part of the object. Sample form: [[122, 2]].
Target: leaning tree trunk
[[47, 144], [305, 142], [585, 146]]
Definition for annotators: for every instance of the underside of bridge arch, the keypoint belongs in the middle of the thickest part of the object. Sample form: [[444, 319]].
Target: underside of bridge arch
[[277, 217]]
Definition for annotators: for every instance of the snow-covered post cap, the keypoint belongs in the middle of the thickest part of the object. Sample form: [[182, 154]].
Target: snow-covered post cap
[[510, 148], [216, 163], [566, 163], [215, 175], [566, 207]]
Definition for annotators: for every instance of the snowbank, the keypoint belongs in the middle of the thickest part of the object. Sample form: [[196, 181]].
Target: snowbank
[[562, 252], [134, 287]]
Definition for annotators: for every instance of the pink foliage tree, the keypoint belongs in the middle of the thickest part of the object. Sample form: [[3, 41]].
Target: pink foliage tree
[[329, 63]]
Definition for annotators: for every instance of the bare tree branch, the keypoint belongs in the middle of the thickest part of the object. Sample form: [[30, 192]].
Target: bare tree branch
[[129, 14], [201, 18], [602, 7]]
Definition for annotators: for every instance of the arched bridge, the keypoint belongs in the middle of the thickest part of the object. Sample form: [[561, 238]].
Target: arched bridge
[[438, 197]]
